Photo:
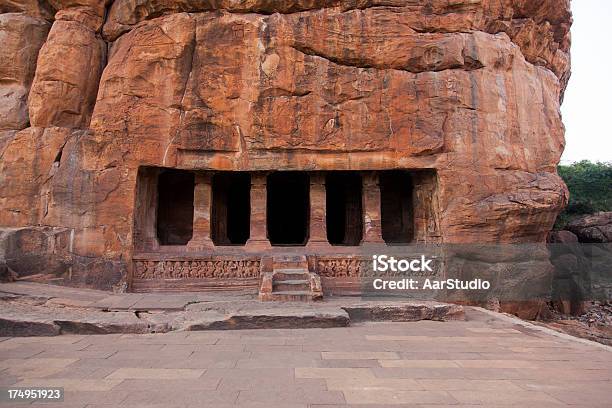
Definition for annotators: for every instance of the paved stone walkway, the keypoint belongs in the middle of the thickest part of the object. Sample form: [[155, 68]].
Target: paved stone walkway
[[483, 361]]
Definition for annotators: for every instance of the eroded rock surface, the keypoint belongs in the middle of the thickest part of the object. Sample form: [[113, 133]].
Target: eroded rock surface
[[21, 37], [66, 81], [593, 228], [470, 89]]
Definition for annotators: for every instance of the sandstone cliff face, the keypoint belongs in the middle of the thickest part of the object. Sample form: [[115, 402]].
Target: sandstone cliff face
[[21, 37], [470, 88]]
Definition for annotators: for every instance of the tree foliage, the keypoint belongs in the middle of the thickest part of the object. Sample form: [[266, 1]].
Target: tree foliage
[[590, 187]]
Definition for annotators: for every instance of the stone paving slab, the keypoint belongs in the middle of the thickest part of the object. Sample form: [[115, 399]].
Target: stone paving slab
[[51, 291], [295, 368]]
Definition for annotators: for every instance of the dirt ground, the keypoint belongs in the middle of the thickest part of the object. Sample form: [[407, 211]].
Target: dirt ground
[[595, 324]]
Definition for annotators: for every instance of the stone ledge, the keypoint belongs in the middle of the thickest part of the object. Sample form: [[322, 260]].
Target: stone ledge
[[404, 312], [272, 319], [35, 316], [27, 326]]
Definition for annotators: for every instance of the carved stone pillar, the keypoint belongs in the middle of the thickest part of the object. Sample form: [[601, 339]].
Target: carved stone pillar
[[372, 230], [145, 214], [318, 227], [202, 202], [258, 238]]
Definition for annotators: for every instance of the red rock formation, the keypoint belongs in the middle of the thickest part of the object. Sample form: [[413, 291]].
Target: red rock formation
[[21, 36], [470, 88]]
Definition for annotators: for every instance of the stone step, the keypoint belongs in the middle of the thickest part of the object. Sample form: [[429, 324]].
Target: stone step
[[289, 261], [289, 258], [291, 285], [292, 296], [294, 265], [290, 274]]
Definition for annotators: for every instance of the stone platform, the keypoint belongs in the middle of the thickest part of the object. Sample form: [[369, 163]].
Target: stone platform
[[32, 309], [487, 360]]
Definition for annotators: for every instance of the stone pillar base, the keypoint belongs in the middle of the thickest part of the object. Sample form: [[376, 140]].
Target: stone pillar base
[[319, 245], [200, 244], [258, 245]]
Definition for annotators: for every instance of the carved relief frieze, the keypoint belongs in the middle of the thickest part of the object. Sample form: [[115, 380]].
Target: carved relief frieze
[[342, 267], [197, 269], [345, 267]]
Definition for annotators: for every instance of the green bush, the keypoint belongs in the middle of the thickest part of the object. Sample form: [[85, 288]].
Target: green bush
[[590, 187]]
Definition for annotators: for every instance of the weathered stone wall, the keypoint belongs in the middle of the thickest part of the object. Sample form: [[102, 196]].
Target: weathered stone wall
[[470, 88]]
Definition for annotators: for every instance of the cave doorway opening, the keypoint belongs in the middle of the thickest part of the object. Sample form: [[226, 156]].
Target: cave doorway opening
[[288, 208], [175, 207], [396, 207], [231, 208], [344, 219]]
